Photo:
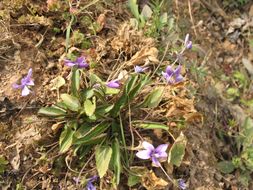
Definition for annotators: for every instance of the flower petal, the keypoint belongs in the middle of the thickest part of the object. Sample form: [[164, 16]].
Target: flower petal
[[16, 86], [90, 186], [113, 84], [83, 65], [148, 146], [177, 70], [186, 40], [29, 73], [30, 83], [161, 148], [161, 155], [144, 154], [69, 63], [179, 78], [25, 91], [80, 60], [169, 70], [189, 45], [181, 184], [155, 162]]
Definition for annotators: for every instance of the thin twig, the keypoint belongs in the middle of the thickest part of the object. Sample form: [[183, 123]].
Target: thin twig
[[192, 20], [131, 129], [81, 171]]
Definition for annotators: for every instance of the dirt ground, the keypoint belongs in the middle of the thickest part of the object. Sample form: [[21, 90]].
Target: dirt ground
[[221, 40]]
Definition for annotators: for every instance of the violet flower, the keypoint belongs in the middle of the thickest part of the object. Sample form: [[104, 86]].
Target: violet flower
[[90, 185], [80, 62], [139, 69], [25, 82], [187, 42], [173, 76], [181, 184], [113, 84], [155, 154]]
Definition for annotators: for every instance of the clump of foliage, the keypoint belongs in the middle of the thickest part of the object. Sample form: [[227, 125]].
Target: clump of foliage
[[242, 160], [151, 18], [234, 3], [97, 116]]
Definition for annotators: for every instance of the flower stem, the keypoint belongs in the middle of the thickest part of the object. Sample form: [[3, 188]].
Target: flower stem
[[169, 178]]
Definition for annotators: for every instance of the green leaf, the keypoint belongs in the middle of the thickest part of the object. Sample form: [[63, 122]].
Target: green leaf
[[57, 82], [66, 138], [134, 8], [3, 164], [164, 18], [116, 162], [88, 93], [91, 132], [136, 174], [94, 79], [247, 131], [111, 91], [245, 177], [226, 167], [50, 111], [153, 126], [144, 80], [247, 157], [71, 102], [89, 107], [132, 88], [75, 81], [177, 150], [133, 180], [153, 99], [103, 156], [93, 140], [233, 92], [102, 110], [146, 12], [131, 82]]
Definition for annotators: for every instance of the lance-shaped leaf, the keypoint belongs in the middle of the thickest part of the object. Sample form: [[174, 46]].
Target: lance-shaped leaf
[[66, 137], [75, 81], [116, 161], [89, 107], [177, 150], [103, 156], [226, 167], [153, 99], [91, 132], [52, 111], [153, 126], [71, 102]]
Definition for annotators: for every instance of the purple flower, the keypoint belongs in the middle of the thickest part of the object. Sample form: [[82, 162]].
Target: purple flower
[[25, 82], [155, 154], [90, 185], [80, 62], [187, 42], [181, 184], [173, 76], [113, 84], [139, 69]]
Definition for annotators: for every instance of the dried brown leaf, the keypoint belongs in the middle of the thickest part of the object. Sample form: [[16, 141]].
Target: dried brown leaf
[[145, 53], [151, 182]]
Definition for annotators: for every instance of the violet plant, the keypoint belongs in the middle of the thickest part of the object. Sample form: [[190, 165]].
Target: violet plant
[[89, 185], [26, 82], [95, 116], [80, 63], [155, 154]]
